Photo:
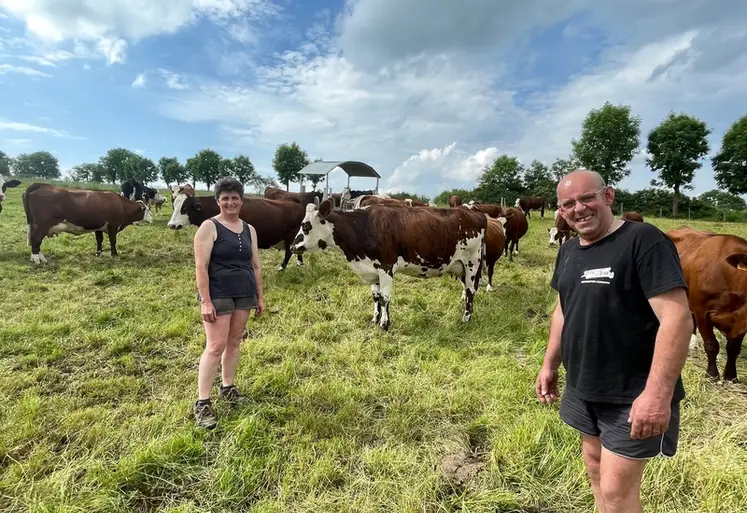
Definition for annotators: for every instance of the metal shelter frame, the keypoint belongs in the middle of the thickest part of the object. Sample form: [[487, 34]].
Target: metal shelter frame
[[351, 168]]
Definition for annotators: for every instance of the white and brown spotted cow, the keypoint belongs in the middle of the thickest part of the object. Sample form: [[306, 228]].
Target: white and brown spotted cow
[[380, 241], [4, 185], [52, 210]]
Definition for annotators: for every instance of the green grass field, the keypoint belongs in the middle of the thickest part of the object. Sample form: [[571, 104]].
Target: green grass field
[[98, 372]]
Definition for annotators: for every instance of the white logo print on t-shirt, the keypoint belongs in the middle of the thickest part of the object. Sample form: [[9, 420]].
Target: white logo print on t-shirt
[[594, 275]]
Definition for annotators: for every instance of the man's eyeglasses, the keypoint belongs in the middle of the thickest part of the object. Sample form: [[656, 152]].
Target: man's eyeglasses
[[584, 200]]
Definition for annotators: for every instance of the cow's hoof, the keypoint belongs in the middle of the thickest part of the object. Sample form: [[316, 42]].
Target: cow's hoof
[[384, 326], [280, 268], [299, 263], [98, 253], [488, 288], [38, 259]]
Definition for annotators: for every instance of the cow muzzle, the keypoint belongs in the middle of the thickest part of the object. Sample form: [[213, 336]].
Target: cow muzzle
[[175, 226]]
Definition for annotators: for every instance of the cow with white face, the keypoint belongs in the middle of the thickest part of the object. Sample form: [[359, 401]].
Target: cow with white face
[[4, 185], [380, 241]]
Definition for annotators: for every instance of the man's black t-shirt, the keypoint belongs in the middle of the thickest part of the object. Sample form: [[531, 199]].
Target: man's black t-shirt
[[609, 328]]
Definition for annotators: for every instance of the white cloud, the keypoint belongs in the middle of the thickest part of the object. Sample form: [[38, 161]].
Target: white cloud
[[173, 80], [26, 127], [139, 80], [38, 60], [110, 24], [470, 169], [23, 70], [425, 162]]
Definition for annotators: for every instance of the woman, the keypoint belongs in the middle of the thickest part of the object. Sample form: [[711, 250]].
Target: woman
[[229, 284]]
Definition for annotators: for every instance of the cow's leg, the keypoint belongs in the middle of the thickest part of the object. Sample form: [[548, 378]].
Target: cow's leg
[[710, 343], [489, 285], [376, 293], [113, 240], [385, 286], [733, 348], [36, 235], [286, 258], [99, 242], [470, 281], [299, 259]]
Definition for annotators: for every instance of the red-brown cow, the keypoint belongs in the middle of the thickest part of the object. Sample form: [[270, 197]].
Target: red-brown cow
[[515, 226], [52, 210], [495, 243], [632, 216], [535, 203], [715, 267], [304, 199], [490, 209], [380, 241], [276, 221], [561, 232], [455, 201]]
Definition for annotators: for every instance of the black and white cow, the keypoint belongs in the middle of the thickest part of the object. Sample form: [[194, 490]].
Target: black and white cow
[[382, 240], [4, 185], [153, 198], [131, 189]]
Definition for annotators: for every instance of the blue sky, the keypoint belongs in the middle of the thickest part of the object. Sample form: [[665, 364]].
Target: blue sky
[[428, 92]]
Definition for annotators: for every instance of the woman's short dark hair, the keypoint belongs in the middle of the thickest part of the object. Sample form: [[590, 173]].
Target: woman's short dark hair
[[228, 184]]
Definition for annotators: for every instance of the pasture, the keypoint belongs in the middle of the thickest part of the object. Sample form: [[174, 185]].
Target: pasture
[[98, 371]]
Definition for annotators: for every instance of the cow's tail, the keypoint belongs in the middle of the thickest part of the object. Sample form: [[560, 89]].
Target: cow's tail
[[27, 209]]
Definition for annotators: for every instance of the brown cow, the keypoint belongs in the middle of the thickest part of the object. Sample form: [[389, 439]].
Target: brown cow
[[304, 199], [52, 210], [561, 232], [490, 209], [495, 242], [535, 203], [4, 186], [632, 216], [715, 267], [515, 226], [380, 241], [455, 201], [276, 221]]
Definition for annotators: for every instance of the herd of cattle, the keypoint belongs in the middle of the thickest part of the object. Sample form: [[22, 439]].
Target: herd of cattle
[[381, 236]]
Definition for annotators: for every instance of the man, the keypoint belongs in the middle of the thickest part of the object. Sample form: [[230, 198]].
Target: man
[[621, 328]]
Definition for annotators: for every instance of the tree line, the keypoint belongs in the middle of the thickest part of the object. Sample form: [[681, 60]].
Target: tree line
[[610, 138], [120, 164]]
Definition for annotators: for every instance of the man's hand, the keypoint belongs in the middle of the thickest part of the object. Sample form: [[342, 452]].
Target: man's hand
[[649, 416], [547, 385], [260, 307]]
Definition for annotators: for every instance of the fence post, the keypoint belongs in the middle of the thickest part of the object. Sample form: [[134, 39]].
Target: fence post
[[688, 212], [661, 211], [724, 215], [622, 208]]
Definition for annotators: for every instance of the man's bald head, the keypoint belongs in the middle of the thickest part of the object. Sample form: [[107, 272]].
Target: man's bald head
[[587, 177]]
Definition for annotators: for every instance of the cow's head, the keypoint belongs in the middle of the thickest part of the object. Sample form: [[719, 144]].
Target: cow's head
[[147, 218], [553, 232], [316, 230], [4, 185], [185, 209]]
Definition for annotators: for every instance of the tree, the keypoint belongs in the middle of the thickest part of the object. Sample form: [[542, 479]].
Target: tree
[[243, 169], [117, 164], [141, 169], [609, 139], [204, 167], [314, 179], [5, 162], [502, 179], [289, 160], [722, 200], [172, 171], [87, 172], [676, 146], [730, 163], [538, 182], [562, 167], [40, 164]]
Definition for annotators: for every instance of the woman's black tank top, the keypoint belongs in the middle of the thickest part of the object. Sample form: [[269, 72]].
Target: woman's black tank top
[[230, 269]]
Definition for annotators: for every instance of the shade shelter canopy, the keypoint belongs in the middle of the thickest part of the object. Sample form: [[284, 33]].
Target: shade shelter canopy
[[351, 168]]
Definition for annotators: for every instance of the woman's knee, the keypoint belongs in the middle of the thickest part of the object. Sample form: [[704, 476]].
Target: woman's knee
[[215, 347]]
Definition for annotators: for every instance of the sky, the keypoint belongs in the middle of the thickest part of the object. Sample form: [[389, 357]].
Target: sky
[[428, 92]]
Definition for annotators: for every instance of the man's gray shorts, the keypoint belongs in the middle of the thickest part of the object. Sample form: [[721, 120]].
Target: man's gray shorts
[[609, 422], [226, 305]]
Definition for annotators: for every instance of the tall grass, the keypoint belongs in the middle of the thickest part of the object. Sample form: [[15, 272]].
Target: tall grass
[[98, 366]]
